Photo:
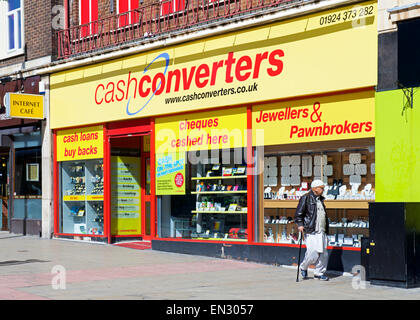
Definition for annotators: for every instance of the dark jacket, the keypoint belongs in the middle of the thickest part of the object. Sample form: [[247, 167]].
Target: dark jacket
[[306, 212]]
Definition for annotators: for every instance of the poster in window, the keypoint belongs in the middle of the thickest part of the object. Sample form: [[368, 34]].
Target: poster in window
[[170, 173], [32, 172]]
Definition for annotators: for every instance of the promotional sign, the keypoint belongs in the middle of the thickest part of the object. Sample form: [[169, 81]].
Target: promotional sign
[[80, 144], [22, 105], [346, 116], [322, 52], [125, 196], [201, 131], [170, 174]]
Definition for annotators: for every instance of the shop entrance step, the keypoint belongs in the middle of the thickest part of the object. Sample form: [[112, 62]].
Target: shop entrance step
[[139, 245]]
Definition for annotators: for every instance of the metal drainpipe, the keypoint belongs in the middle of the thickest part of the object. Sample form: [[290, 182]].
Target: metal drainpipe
[[66, 14]]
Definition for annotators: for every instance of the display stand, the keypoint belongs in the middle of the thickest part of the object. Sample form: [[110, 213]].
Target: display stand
[[221, 202]]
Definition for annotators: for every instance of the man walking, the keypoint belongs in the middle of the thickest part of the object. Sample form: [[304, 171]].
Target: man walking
[[311, 218]]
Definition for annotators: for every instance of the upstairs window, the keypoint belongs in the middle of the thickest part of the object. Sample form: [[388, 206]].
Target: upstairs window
[[88, 12], [126, 6], [172, 6], [14, 25]]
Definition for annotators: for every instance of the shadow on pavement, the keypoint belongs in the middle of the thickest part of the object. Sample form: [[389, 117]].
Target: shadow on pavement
[[15, 262]]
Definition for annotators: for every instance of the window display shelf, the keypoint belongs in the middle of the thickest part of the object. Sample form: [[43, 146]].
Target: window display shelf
[[219, 192], [95, 197], [220, 212], [222, 239], [74, 198], [348, 227], [329, 204], [331, 226], [27, 197], [219, 177]]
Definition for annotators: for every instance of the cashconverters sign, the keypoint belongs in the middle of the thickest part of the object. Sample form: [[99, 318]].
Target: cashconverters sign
[[318, 53]]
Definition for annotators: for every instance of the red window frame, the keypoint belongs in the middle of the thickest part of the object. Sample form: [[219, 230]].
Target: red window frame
[[126, 6], [88, 13], [172, 7]]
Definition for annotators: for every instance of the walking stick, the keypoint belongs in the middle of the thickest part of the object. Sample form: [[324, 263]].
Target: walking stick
[[300, 249]]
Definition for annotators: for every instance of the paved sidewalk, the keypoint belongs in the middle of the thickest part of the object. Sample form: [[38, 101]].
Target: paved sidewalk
[[101, 271]]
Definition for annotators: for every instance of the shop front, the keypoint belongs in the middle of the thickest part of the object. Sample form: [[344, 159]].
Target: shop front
[[22, 130], [103, 182], [206, 146], [240, 202]]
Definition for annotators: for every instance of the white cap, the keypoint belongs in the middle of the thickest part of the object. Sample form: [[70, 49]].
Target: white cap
[[317, 183]]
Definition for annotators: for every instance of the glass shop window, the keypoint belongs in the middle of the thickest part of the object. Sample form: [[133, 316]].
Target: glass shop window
[[28, 172], [349, 176], [214, 206]]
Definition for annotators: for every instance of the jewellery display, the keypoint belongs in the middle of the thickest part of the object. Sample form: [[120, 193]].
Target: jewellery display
[[349, 186]]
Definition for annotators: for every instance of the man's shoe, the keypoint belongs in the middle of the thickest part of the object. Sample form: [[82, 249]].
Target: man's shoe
[[304, 274], [322, 278]]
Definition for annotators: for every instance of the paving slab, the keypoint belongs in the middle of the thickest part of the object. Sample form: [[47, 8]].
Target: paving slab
[[35, 268]]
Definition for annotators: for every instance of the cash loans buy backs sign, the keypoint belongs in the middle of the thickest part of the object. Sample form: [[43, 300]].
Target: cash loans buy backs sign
[[254, 65], [346, 116], [80, 144]]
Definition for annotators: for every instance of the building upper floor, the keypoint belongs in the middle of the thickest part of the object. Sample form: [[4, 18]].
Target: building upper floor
[[45, 33], [27, 36]]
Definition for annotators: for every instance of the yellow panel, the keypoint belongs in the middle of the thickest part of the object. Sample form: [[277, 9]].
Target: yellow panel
[[151, 55], [219, 43], [57, 78], [112, 66], [92, 71], [135, 61], [289, 28], [189, 49], [74, 74], [252, 36]]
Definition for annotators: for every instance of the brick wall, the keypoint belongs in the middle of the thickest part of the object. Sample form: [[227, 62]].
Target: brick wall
[[12, 61]]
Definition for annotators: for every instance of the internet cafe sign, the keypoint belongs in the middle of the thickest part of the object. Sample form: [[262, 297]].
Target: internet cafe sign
[[20, 105]]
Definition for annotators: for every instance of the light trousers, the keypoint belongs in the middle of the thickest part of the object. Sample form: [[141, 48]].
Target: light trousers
[[316, 253]]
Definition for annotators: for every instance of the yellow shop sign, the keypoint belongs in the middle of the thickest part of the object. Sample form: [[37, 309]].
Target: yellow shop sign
[[318, 53], [20, 105], [336, 117], [201, 131], [80, 144]]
